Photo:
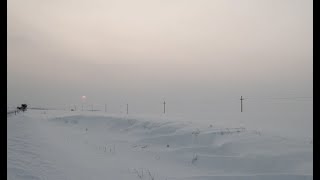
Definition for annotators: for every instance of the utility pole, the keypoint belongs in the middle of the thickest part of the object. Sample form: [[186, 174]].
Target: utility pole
[[164, 107], [241, 102], [127, 108]]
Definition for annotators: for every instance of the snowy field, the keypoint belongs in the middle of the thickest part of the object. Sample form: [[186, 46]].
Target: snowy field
[[65, 145]]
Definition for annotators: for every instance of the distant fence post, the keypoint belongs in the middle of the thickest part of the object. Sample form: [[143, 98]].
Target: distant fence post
[[127, 108], [241, 99]]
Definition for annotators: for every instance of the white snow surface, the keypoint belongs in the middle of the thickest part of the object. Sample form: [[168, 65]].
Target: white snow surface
[[62, 145]]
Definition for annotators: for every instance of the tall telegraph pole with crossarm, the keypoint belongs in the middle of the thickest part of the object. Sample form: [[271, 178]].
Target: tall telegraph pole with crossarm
[[241, 99]]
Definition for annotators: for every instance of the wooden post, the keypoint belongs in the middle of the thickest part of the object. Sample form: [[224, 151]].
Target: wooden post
[[241, 102], [164, 107], [127, 108]]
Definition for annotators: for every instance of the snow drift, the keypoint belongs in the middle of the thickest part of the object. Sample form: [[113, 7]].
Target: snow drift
[[49, 144]]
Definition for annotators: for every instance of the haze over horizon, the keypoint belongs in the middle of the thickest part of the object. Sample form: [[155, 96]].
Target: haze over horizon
[[199, 56]]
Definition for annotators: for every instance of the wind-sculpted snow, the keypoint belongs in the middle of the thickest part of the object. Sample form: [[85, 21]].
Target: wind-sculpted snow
[[82, 145]]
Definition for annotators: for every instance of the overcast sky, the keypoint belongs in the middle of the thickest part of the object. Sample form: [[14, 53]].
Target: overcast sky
[[145, 51]]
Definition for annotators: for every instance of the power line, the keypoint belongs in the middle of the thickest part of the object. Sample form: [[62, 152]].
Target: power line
[[289, 98]]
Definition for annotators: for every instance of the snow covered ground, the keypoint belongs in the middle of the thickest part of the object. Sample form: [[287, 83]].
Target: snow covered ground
[[53, 144]]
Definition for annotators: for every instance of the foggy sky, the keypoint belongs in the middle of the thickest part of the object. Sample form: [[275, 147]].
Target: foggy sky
[[145, 51]]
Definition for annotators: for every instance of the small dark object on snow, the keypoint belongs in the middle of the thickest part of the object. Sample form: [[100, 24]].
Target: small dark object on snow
[[23, 107], [167, 145]]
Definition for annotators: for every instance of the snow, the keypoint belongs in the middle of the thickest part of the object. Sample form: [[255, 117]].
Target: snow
[[56, 144]]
